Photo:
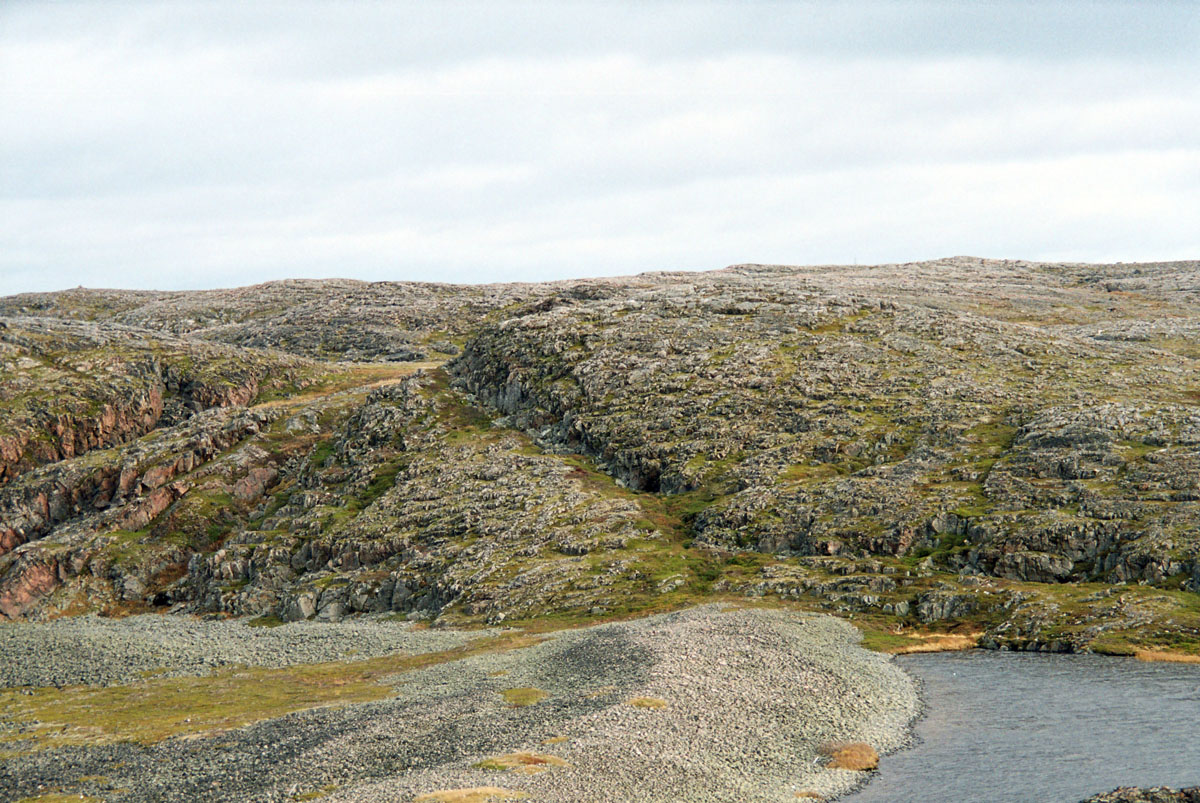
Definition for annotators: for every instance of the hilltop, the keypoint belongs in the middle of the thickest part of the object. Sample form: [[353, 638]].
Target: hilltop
[[999, 450]]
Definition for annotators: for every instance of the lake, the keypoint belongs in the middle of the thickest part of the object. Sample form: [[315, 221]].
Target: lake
[[1004, 726]]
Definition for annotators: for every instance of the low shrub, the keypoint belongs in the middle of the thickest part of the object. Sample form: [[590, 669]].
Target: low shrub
[[855, 756]]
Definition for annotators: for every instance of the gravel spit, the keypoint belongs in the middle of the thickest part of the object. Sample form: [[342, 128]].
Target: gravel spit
[[750, 695]]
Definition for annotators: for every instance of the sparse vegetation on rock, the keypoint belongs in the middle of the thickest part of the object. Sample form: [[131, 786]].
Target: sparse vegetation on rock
[[954, 447]]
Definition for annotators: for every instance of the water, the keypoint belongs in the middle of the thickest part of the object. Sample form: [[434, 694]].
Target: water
[[1023, 727]]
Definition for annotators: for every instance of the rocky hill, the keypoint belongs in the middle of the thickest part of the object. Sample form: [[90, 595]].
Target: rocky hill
[[1006, 450]]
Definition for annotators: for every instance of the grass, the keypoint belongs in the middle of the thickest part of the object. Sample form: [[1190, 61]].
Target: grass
[[880, 637], [320, 454], [475, 794], [938, 642], [653, 703], [160, 708], [1169, 657], [329, 382], [856, 756], [382, 482], [519, 698], [524, 763], [878, 640]]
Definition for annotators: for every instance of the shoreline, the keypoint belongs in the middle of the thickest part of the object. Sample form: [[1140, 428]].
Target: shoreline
[[937, 758], [911, 739]]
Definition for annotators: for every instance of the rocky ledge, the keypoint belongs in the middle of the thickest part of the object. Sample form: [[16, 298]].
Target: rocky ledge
[[1157, 794]]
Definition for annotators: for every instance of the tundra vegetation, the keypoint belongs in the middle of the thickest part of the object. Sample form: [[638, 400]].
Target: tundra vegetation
[[950, 453]]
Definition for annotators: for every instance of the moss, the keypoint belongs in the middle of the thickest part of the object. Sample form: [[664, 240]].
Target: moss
[[838, 324], [525, 763], [383, 481], [803, 473], [522, 697], [125, 547], [879, 640], [1113, 646], [159, 708], [321, 454]]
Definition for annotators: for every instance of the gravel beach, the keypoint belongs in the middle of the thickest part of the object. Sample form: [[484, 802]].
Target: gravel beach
[[706, 704]]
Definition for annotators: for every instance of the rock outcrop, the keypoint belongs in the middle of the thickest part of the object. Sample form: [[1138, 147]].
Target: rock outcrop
[[1008, 446], [1156, 794]]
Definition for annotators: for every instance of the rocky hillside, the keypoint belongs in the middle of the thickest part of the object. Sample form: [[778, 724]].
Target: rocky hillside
[[1002, 448]]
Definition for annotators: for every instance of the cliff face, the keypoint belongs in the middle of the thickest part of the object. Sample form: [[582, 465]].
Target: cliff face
[[1009, 446]]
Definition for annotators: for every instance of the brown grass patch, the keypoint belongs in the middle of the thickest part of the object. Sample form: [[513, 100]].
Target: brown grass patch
[[857, 756], [524, 763], [1169, 657], [648, 702], [556, 740], [939, 642], [476, 794]]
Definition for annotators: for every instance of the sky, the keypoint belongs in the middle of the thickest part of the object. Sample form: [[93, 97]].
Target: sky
[[214, 144]]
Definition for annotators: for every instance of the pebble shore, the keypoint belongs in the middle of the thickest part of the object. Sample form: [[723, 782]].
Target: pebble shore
[[748, 696], [93, 650]]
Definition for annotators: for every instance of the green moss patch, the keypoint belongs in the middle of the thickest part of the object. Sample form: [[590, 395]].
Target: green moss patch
[[160, 708]]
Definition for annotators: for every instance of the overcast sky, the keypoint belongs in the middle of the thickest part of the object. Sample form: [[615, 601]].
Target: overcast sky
[[214, 144]]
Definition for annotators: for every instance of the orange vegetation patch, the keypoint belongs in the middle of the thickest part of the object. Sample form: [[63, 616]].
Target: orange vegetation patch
[[856, 756], [940, 642], [1170, 657]]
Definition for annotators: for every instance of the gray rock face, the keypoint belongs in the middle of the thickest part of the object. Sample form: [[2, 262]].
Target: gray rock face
[[935, 606], [853, 412]]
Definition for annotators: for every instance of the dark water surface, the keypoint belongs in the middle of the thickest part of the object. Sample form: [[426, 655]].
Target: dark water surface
[[1023, 727]]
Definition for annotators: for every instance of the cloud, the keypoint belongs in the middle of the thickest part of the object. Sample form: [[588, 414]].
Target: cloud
[[212, 144]]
